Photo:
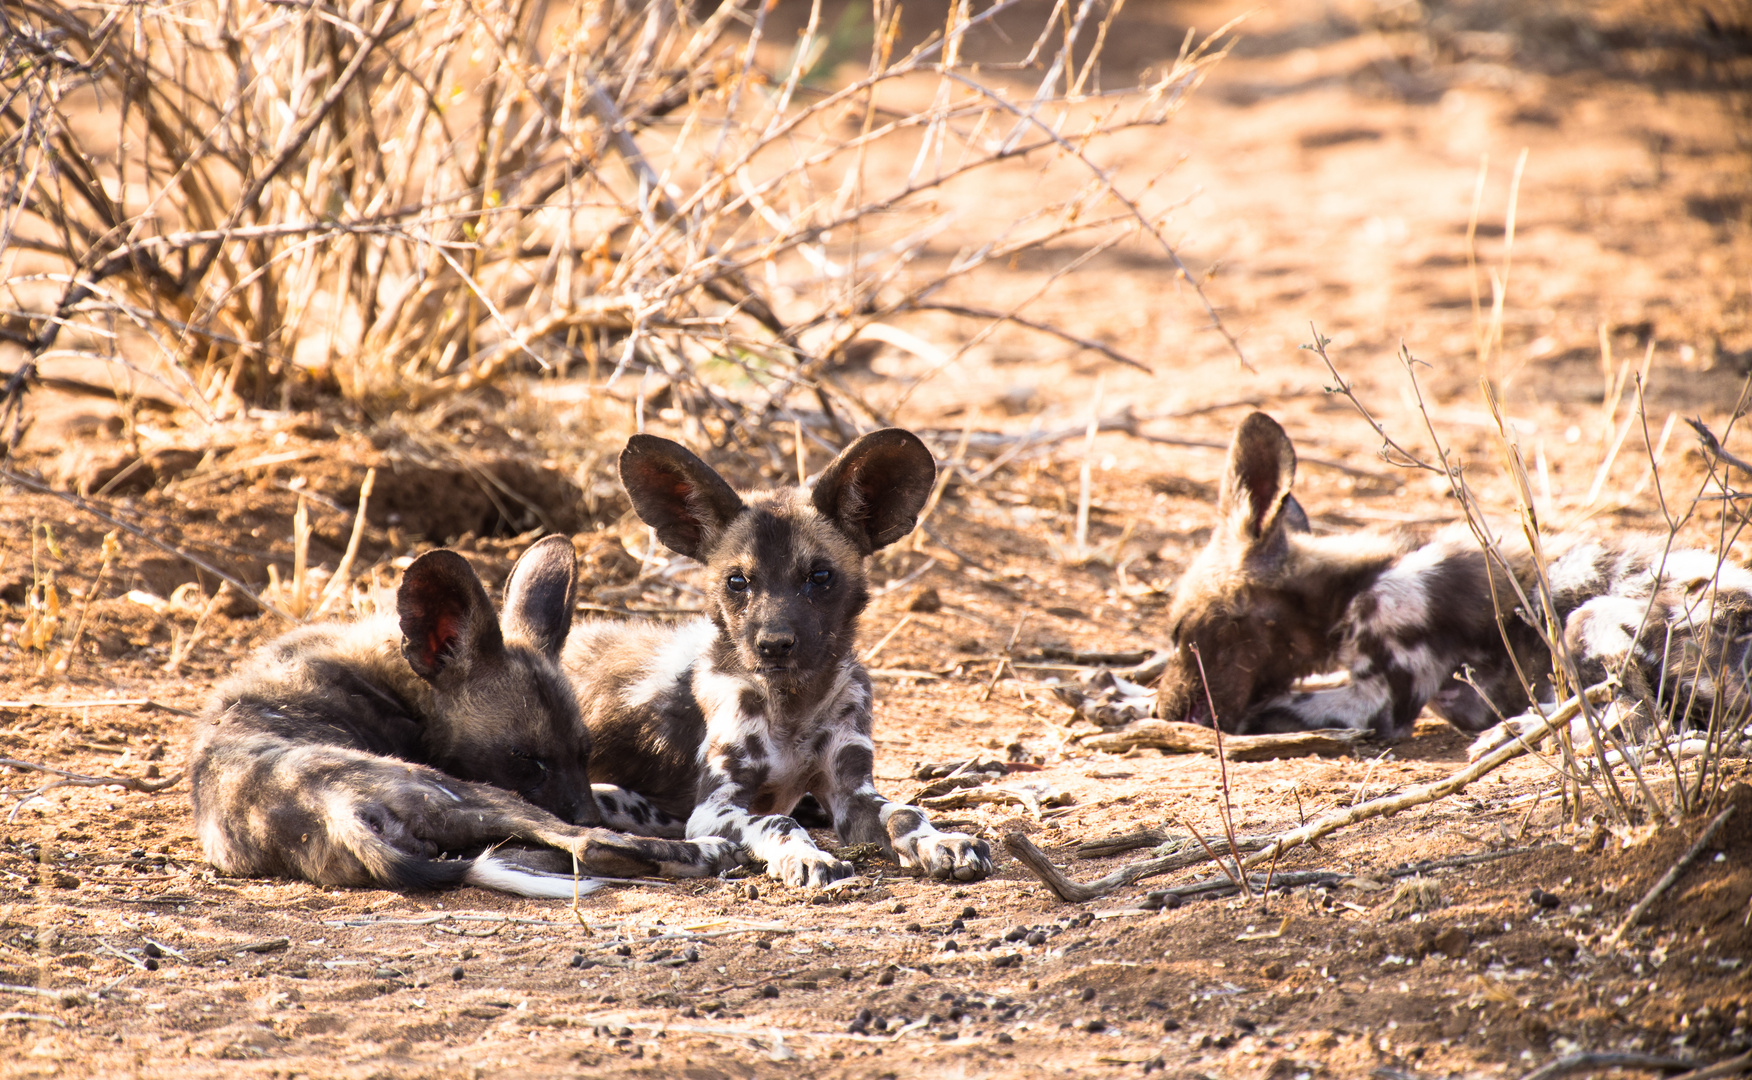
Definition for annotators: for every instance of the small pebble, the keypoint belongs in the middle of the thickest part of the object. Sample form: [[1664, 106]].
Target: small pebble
[[1003, 1037], [885, 979], [456, 973], [1088, 993], [763, 944], [1095, 1025], [969, 913], [1036, 938], [151, 963], [691, 955], [577, 960], [769, 991], [900, 909], [153, 951], [1016, 933]]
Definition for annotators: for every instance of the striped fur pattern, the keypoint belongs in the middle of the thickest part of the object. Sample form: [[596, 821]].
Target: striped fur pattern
[[1266, 604], [720, 726], [361, 754]]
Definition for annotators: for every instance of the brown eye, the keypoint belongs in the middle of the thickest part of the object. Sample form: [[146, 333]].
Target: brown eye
[[737, 581], [821, 577]]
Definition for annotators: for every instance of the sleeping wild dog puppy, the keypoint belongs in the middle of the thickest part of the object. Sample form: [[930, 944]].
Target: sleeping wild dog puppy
[[718, 727], [1266, 604], [358, 754]]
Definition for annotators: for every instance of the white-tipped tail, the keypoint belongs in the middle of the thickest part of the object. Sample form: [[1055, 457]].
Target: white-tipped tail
[[491, 873]]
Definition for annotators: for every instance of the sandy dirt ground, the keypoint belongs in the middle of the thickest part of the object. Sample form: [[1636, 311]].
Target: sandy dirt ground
[[1328, 171]]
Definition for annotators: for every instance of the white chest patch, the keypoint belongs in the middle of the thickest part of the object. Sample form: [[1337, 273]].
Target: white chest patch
[[670, 662]]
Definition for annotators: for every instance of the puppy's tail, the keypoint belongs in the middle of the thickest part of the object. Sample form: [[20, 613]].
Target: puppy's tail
[[488, 870], [534, 873], [492, 871]]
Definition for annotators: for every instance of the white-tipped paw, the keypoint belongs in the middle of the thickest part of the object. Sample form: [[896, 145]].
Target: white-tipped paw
[[810, 867], [945, 856]]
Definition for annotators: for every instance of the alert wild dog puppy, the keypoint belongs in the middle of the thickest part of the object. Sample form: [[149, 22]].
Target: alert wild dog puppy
[[357, 754], [719, 726], [1267, 603]]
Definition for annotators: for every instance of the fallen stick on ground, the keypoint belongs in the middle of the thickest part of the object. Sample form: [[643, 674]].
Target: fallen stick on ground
[[1223, 886], [1074, 892], [1733, 1066], [1119, 845], [1182, 738], [1388, 805], [1594, 1062], [1670, 876], [92, 703], [73, 779]]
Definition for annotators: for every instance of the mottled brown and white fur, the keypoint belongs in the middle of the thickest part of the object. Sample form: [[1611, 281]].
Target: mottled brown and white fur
[[360, 754], [1266, 603], [720, 726]]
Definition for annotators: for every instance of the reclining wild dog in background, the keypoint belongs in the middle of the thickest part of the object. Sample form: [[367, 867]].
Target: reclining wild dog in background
[[355, 754], [718, 727], [1266, 604]]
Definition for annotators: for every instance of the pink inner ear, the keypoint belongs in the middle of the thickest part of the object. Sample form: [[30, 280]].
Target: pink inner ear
[[440, 637]]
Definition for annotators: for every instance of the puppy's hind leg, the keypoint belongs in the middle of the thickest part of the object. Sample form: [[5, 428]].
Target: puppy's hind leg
[[631, 812], [478, 815], [663, 838]]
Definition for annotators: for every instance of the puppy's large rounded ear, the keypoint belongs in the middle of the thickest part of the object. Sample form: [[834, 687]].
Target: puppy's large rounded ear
[[1256, 485], [875, 489], [446, 619], [677, 494], [539, 596]]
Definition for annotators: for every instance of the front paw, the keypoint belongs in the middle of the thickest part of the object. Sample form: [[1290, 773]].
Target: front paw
[[811, 867], [946, 856]]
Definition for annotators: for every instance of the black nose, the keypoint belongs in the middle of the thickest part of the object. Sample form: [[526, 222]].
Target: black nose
[[776, 644]]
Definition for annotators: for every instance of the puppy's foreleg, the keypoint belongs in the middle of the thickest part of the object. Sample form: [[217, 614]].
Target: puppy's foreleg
[[862, 815], [730, 787]]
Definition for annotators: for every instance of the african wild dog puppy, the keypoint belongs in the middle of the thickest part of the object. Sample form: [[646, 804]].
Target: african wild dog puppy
[[358, 754], [718, 727], [1266, 603]]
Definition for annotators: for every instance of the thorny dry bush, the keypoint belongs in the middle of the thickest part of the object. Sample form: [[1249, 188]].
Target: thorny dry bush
[[252, 200]]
